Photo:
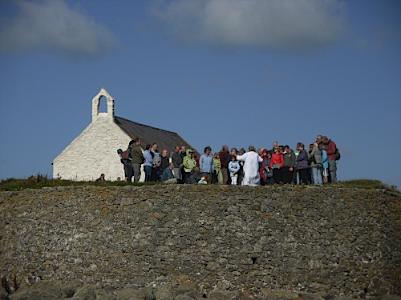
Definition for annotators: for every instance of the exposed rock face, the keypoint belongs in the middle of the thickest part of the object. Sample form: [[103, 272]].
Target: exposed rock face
[[211, 241]]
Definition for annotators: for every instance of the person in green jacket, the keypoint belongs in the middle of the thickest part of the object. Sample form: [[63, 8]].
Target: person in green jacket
[[217, 168], [189, 164]]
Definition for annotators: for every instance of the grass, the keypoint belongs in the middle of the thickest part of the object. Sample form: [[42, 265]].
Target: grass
[[40, 181], [366, 184]]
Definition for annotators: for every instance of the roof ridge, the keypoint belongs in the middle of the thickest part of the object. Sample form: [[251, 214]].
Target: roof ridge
[[141, 124]]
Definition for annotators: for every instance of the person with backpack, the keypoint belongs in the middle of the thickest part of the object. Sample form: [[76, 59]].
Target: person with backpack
[[126, 161], [316, 163], [137, 158], [333, 155]]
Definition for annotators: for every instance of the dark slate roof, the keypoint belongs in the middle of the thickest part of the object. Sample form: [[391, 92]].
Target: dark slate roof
[[165, 139]]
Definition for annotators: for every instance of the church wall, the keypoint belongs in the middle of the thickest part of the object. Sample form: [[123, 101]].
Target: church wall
[[93, 152]]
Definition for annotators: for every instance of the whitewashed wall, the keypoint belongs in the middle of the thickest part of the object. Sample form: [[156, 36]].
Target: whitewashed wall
[[93, 152]]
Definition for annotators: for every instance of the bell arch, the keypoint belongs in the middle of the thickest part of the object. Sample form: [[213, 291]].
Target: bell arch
[[96, 105]]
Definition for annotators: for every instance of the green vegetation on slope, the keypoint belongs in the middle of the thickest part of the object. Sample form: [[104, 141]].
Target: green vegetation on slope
[[39, 181]]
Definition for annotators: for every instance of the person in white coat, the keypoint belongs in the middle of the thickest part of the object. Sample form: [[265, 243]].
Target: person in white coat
[[251, 166]]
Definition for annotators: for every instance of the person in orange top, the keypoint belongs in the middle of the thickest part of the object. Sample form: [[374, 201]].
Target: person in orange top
[[276, 163]]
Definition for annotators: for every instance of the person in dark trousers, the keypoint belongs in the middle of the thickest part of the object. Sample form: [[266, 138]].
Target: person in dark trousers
[[176, 160], [225, 158], [136, 156], [165, 161], [156, 162], [206, 164], [276, 164], [289, 165], [183, 153], [302, 164], [148, 164], [126, 161], [331, 149]]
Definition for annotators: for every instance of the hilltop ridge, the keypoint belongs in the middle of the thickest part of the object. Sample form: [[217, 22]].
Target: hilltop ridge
[[236, 241]]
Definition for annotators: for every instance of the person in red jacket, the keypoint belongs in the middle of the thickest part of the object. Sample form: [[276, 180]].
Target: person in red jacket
[[331, 149], [276, 163]]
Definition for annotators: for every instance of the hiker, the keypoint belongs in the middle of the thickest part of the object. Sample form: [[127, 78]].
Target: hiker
[[126, 161], [289, 165], [137, 159], [241, 151], [224, 156], [206, 164], [176, 159], [325, 164], [165, 161], [189, 165], [251, 166], [269, 171], [276, 163], [148, 164], [333, 154], [156, 162], [233, 168], [302, 164], [316, 163], [217, 174], [167, 175], [263, 166]]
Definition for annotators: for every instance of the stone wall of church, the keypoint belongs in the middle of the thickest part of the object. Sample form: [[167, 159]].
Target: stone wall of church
[[93, 152]]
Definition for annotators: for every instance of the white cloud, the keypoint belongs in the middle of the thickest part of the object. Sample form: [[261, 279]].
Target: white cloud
[[283, 24], [53, 25]]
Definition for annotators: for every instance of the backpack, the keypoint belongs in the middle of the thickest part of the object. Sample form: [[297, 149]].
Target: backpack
[[125, 154], [337, 154]]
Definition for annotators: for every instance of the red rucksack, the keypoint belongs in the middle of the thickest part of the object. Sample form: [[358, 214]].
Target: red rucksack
[[125, 154]]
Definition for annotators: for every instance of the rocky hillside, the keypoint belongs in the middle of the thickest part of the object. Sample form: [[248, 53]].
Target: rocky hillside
[[196, 242]]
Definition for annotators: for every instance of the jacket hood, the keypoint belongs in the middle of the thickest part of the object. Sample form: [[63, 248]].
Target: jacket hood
[[189, 151]]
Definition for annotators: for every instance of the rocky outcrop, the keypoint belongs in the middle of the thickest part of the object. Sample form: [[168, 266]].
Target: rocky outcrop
[[190, 242]]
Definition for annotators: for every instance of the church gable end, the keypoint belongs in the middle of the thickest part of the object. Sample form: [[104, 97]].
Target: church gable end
[[94, 151]]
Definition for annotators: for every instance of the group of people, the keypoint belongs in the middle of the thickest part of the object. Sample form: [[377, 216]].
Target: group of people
[[278, 165]]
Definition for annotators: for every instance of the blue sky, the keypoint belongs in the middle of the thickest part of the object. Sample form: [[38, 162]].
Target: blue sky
[[234, 72]]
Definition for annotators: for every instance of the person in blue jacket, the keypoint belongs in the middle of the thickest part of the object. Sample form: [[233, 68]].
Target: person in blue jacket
[[206, 164], [325, 164]]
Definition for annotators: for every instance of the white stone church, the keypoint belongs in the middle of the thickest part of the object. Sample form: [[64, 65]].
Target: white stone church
[[94, 151]]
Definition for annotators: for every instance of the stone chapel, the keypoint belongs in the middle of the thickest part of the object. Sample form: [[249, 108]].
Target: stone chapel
[[94, 151]]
